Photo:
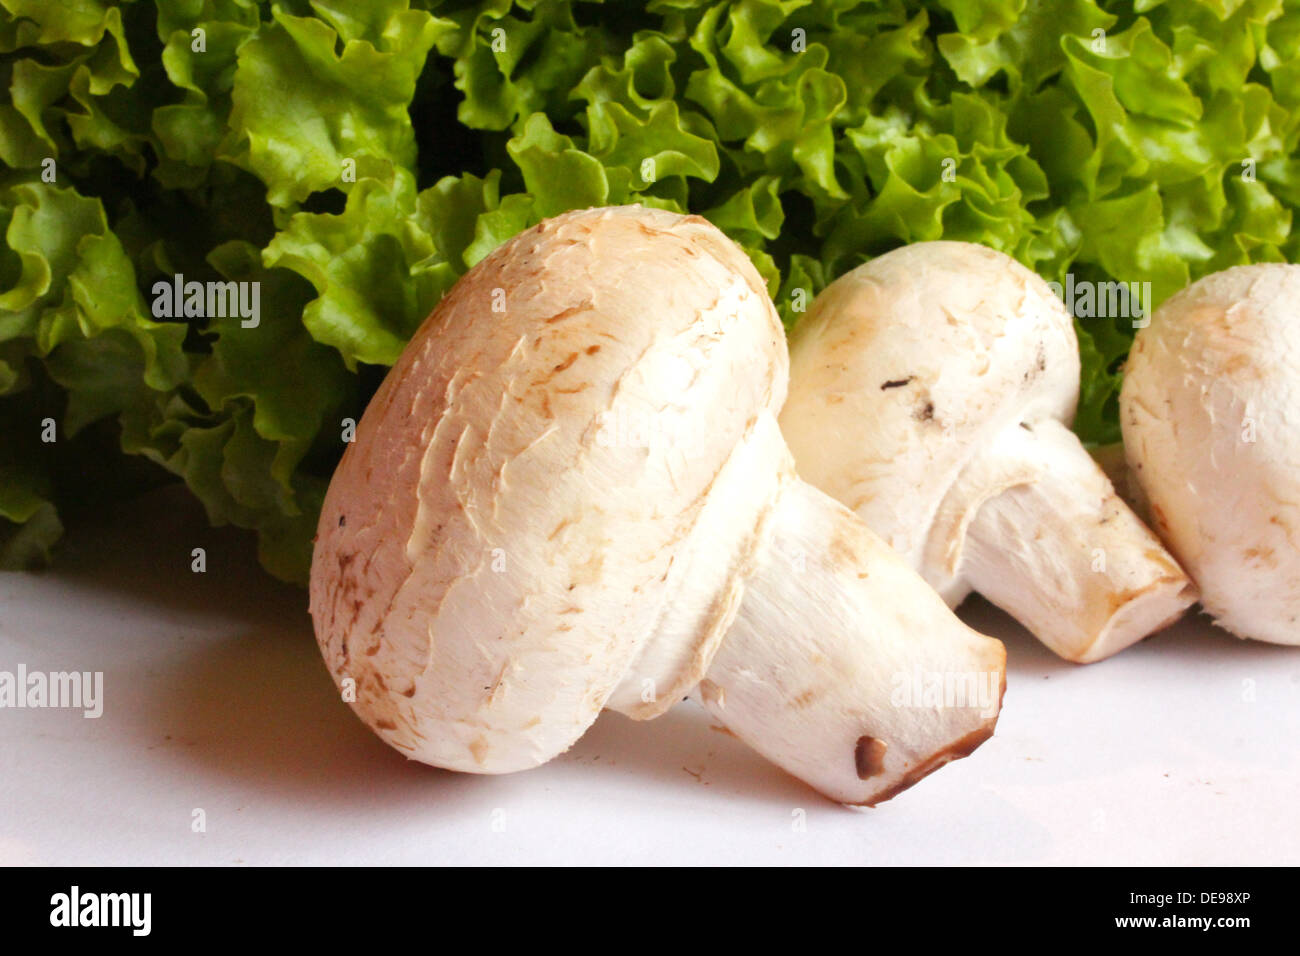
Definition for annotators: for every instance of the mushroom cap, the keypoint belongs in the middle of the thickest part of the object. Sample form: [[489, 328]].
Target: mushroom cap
[[533, 480], [1218, 366], [905, 367]]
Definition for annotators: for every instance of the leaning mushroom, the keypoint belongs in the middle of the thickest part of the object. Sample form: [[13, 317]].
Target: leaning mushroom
[[1211, 415], [571, 493], [931, 391]]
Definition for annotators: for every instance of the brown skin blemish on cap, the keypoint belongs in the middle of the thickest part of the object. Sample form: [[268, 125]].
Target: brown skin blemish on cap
[[843, 550], [1265, 556], [962, 747], [583, 306], [588, 572], [869, 757], [1040, 366], [925, 413], [1158, 514], [897, 383], [804, 699], [1286, 528]]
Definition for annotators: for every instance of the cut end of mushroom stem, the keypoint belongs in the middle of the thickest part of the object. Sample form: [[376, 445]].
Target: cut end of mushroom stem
[[1063, 554], [844, 667]]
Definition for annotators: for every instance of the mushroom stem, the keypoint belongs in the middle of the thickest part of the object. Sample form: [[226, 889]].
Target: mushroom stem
[[843, 666], [1051, 543]]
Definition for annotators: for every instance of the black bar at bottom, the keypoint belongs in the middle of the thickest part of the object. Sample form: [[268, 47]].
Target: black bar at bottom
[[342, 907]]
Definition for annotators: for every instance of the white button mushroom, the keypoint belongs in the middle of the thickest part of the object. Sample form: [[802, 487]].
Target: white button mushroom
[[1211, 413], [931, 391], [571, 493]]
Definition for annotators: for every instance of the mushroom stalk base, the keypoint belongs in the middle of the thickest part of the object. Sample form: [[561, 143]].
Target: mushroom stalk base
[[843, 666], [1062, 554]]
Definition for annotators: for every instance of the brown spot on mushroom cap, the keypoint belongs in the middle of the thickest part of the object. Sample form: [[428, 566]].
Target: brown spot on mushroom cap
[[1264, 556], [1158, 516], [583, 306], [962, 747], [869, 757], [844, 550]]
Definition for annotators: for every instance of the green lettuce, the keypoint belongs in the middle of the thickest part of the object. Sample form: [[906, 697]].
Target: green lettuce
[[354, 159]]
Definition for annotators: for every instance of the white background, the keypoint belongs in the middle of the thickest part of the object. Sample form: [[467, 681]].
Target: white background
[[1183, 750]]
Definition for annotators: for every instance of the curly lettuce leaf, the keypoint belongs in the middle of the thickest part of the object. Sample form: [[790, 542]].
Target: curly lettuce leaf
[[355, 159]]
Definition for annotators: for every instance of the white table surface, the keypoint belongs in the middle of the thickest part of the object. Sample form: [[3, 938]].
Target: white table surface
[[1183, 750]]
